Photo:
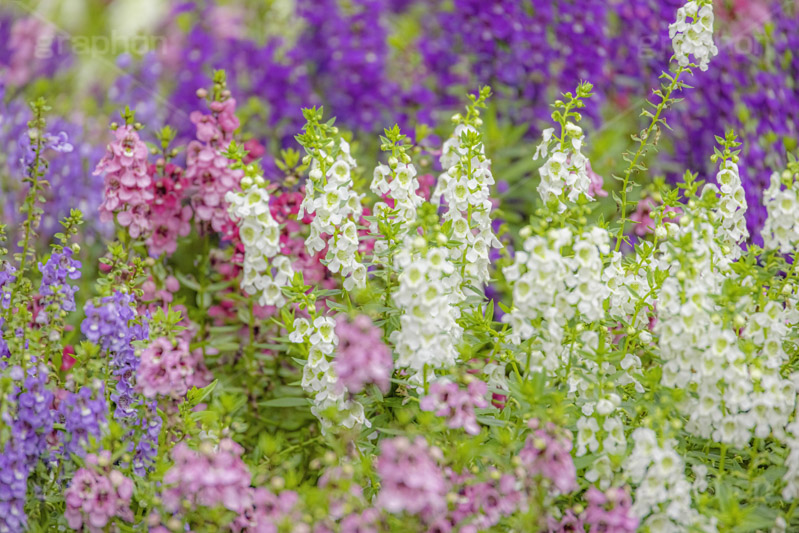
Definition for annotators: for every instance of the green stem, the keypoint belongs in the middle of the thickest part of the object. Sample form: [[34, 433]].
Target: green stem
[[643, 142]]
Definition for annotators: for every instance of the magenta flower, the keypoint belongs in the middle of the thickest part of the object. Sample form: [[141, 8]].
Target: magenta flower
[[362, 357]]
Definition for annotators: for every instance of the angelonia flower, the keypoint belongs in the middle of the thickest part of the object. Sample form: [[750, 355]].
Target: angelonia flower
[[550, 283], [170, 369], [98, 495], [213, 476], [169, 218], [457, 405], [55, 287], [428, 294], [265, 270], [566, 170], [83, 414], [732, 206], [692, 34], [642, 216], [111, 324], [207, 169], [465, 188], [398, 186], [410, 479], [663, 499], [337, 210], [547, 453], [361, 355], [609, 511], [29, 426], [319, 377], [781, 230], [128, 190]]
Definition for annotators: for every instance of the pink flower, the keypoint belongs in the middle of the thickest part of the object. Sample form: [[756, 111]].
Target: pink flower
[[96, 495], [208, 478], [609, 511], [546, 453], [411, 480], [597, 182], [127, 183], [448, 400], [170, 370], [644, 222], [362, 357], [169, 218]]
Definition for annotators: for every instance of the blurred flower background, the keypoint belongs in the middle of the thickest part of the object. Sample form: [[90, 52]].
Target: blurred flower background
[[368, 61]]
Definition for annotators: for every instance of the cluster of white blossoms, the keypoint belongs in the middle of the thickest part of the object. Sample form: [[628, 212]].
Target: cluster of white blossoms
[[549, 287], [428, 296], [663, 499], [730, 367], [398, 182], [732, 206], [465, 188], [781, 230], [337, 210], [692, 34], [319, 378], [265, 272], [600, 432], [566, 170]]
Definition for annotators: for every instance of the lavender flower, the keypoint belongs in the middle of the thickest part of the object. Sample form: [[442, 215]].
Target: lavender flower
[[55, 288], [84, 415]]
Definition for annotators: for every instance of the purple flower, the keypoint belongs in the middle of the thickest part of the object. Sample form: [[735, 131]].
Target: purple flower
[[410, 478], [362, 357], [54, 287], [83, 414]]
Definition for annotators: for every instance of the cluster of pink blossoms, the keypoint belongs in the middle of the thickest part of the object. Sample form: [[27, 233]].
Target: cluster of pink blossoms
[[217, 477], [169, 218], [606, 511], [97, 495], [170, 369], [448, 400], [546, 453], [128, 190], [208, 169], [410, 478], [362, 357]]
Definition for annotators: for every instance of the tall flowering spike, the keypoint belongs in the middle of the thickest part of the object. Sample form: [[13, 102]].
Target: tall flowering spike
[[265, 271], [428, 295], [465, 188], [207, 168], [410, 479], [83, 414], [566, 174], [732, 199], [331, 199], [29, 425], [169, 218], [128, 190], [692, 34], [319, 377], [97, 496], [781, 230], [55, 287], [112, 325]]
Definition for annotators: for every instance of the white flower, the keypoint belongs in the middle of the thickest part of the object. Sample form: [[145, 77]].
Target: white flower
[[693, 37]]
